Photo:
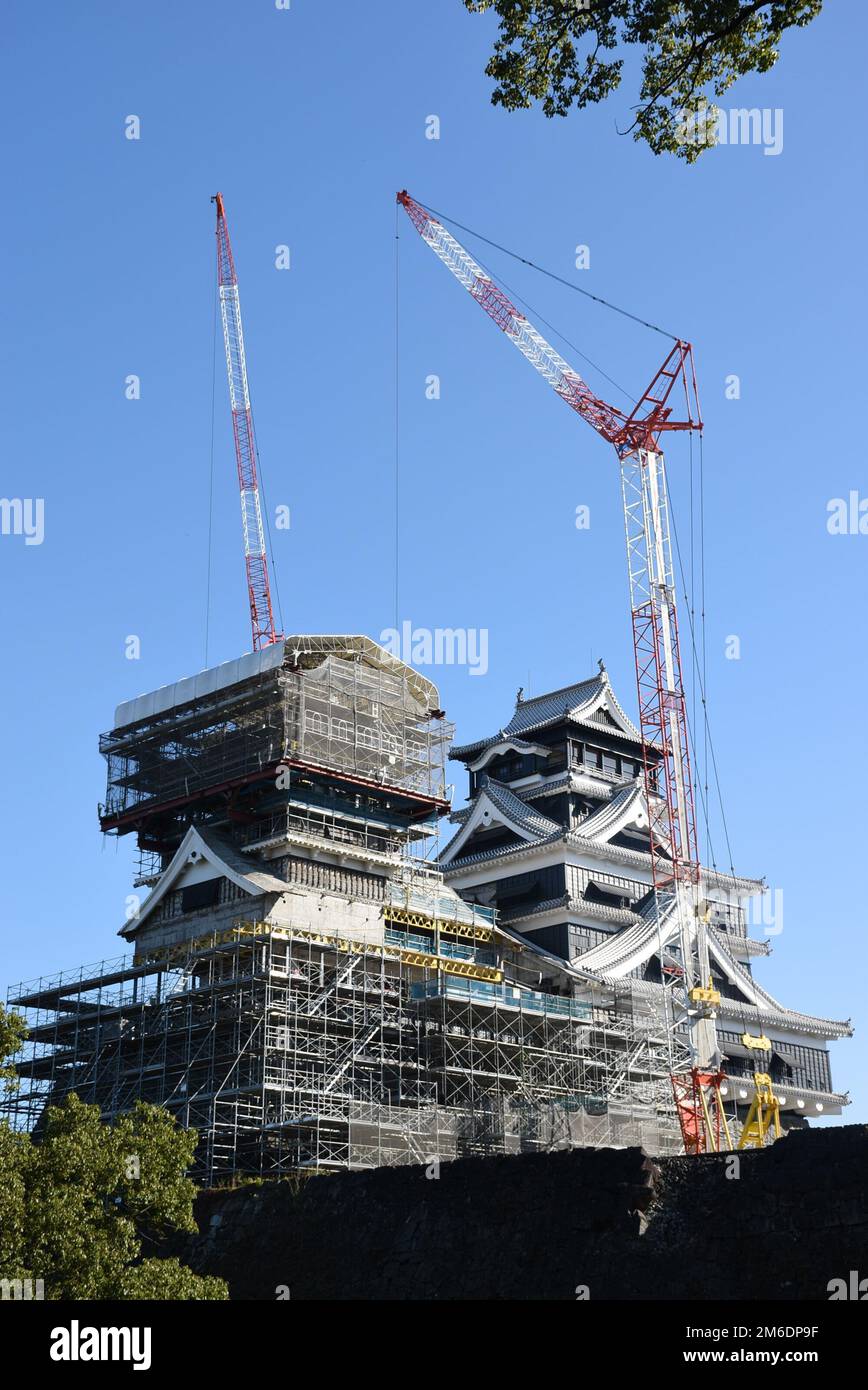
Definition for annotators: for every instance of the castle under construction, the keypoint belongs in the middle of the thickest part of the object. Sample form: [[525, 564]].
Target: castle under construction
[[308, 991]]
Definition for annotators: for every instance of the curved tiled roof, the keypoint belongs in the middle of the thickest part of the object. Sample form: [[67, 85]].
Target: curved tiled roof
[[579, 907], [626, 950], [518, 745], [574, 701], [246, 871], [517, 811], [509, 808], [760, 998], [485, 856], [627, 805], [541, 709], [637, 859]]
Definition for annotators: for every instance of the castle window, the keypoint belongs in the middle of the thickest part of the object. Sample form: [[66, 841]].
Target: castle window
[[197, 895]]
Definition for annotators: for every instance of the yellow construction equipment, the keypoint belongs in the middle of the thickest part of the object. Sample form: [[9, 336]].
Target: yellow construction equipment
[[764, 1115]]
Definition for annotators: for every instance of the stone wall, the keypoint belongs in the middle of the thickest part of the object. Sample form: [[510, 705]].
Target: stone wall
[[544, 1225]]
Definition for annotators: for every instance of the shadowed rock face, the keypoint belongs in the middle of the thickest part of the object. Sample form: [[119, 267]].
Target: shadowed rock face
[[542, 1225]]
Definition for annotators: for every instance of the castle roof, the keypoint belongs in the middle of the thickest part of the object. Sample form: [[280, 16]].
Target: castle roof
[[577, 704], [205, 853], [626, 951], [496, 804]]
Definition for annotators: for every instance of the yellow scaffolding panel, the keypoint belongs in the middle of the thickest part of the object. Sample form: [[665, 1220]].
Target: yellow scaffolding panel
[[405, 917]]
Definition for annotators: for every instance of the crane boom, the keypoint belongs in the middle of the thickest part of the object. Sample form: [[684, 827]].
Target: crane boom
[[659, 678], [256, 562], [652, 413]]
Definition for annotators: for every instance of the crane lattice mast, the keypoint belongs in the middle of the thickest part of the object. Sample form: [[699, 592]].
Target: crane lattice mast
[[659, 678], [256, 562]]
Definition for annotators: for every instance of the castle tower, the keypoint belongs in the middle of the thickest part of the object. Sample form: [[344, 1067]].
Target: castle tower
[[555, 838]]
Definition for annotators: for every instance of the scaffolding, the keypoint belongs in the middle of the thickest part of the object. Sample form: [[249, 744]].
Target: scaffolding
[[336, 703], [291, 1050]]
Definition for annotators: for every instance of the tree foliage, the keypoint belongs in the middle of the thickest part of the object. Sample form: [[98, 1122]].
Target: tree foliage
[[565, 53], [13, 1031], [82, 1205]]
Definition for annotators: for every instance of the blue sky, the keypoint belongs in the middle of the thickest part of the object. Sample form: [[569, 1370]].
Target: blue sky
[[308, 121]]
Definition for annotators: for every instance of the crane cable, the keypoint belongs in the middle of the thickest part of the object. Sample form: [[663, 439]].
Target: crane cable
[[701, 665], [557, 333], [551, 274]]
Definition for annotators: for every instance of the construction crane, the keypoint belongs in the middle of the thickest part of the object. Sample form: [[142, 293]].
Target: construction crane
[[256, 562], [696, 1069]]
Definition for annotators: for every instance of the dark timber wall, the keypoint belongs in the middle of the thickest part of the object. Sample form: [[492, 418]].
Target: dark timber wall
[[542, 1225]]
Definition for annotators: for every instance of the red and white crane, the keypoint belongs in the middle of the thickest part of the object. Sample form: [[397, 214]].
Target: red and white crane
[[256, 562], [662, 706]]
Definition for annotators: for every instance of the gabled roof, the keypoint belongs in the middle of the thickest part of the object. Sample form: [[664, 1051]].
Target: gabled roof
[[495, 804], [628, 808], [578, 703], [627, 950], [517, 812], [759, 997], [573, 781], [607, 853], [200, 845], [553, 786]]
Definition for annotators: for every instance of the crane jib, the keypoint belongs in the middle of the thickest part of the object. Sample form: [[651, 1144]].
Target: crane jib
[[258, 584]]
